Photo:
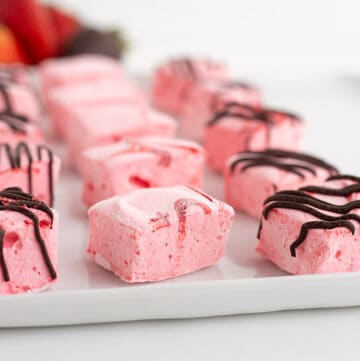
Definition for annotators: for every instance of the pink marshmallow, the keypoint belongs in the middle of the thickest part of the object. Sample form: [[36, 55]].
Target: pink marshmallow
[[108, 124], [251, 177], [56, 73], [20, 99], [205, 99], [26, 265], [140, 163], [315, 229], [61, 101], [40, 180], [158, 233], [239, 128], [172, 81]]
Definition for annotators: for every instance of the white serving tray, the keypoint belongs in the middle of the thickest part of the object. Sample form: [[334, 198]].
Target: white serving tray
[[242, 282]]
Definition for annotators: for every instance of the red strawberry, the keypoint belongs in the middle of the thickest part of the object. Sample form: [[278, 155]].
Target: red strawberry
[[10, 48], [66, 25], [32, 25]]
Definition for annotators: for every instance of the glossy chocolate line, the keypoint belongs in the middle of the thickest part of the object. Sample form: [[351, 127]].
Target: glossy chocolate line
[[20, 148], [303, 198], [266, 162], [278, 153], [268, 158], [344, 192], [309, 210], [14, 121], [14, 158], [19, 208], [244, 112], [2, 259], [318, 225], [23, 199], [6, 97], [49, 153], [299, 200], [344, 177]]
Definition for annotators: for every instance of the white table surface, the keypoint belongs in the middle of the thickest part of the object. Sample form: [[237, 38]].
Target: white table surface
[[303, 335], [305, 30]]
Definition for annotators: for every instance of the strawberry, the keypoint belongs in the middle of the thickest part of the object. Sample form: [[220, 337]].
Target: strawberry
[[32, 25], [10, 49], [65, 24]]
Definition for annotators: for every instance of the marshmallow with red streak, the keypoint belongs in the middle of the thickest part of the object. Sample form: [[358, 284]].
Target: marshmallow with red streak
[[20, 99], [108, 124], [28, 246], [140, 163], [315, 229], [88, 68], [205, 99], [237, 128], [158, 233], [61, 101], [173, 80], [33, 168], [15, 128], [252, 177]]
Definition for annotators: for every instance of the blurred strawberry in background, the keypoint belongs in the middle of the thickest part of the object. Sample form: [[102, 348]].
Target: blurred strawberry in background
[[31, 32], [10, 49]]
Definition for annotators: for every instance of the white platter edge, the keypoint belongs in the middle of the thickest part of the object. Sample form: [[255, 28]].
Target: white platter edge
[[175, 301]]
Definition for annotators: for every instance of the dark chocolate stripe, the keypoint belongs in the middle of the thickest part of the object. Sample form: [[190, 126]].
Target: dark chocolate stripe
[[303, 198], [14, 156], [15, 122], [246, 113], [5, 95], [24, 148], [301, 201], [2, 259], [21, 207], [49, 153], [270, 158], [344, 177], [318, 225], [344, 192]]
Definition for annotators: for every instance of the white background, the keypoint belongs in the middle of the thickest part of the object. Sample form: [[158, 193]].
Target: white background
[[273, 34]]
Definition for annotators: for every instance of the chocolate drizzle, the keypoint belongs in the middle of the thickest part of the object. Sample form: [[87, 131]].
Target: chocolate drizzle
[[301, 201], [16, 122], [298, 163], [14, 156], [40, 149], [344, 177], [4, 93], [15, 200], [185, 68], [246, 113]]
